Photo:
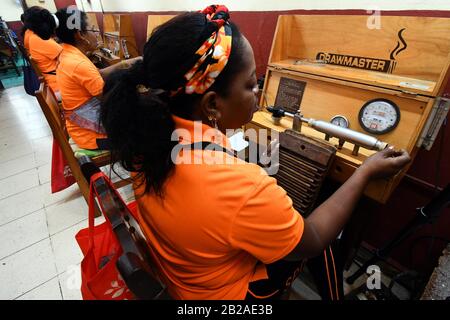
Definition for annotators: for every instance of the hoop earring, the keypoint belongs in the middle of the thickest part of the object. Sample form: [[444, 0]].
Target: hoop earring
[[213, 121]]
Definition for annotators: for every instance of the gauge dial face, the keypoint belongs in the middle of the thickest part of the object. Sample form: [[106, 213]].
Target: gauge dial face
[[340, 121], [379, 116]]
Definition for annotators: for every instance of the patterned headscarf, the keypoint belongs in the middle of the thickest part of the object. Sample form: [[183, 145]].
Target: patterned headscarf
[[212, 55]]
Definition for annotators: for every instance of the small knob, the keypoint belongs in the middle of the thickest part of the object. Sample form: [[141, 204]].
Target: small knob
[[276, 120]]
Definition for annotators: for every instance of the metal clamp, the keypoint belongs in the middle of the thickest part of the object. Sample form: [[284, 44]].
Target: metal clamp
[[435, 120]]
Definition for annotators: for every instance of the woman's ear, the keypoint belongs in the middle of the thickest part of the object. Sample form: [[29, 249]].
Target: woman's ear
[[79, 37], [84, 42], [210, 105]]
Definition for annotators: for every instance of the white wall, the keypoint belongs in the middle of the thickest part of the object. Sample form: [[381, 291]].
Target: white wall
[[47, 4], [263, 5], [10, 10]]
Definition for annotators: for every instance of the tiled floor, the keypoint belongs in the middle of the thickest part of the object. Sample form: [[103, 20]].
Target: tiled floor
[[39, 257]]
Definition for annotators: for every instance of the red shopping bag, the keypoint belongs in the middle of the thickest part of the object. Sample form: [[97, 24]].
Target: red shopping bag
[[100, 279], [62, 177]]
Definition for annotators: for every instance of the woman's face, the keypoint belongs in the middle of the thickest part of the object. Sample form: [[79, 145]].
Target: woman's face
[[238, 107], [90, 40]]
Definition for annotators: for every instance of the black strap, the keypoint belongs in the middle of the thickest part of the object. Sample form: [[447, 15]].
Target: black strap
[[210, 146], [50, 72]]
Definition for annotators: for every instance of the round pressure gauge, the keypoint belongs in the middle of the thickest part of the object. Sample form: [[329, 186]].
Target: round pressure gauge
[[379, 116], [340, 121]]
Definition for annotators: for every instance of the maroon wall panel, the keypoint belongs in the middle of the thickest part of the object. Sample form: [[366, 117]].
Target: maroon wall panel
[[64, 3], [16, 26], [259, 27]]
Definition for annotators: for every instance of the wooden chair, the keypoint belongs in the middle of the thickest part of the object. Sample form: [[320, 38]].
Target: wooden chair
[[36, 68], [50, 108], [102, 159], [135, 264], [55, 119]]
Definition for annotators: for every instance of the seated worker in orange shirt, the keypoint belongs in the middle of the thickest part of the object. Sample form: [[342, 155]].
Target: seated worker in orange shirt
[[38, 28], [80, 82], [213, 229]]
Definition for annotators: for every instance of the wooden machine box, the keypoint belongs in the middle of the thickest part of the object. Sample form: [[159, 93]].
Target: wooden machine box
[[119, 35], [383, 82], [102, 57], [154, 21]]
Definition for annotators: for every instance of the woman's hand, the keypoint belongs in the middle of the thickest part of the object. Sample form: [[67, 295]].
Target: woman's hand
[[126, 64], [385, 163]]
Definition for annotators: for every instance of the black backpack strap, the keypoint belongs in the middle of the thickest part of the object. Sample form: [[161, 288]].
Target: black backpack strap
[[203, 145]]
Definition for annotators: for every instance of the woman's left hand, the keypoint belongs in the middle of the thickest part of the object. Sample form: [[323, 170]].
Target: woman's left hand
[[126, 64]]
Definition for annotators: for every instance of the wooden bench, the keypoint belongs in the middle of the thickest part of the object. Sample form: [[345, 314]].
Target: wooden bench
[[52, 111]]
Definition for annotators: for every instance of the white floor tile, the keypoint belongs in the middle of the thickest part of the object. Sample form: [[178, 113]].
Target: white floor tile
[[44, 173], [15, 151], [43, 150], [13, 167], [8, 112], [66, 214], [127, 193], [47, 291], [11, 131], [12, 93], [22, 233], [9, 141], [42, 144], [39, 133], [66, 249], [26, 270], [70, 283], [18, 183], [99, 220], [19, 133], [117, 175], [22, 102], [20, 205], [15, 126], [43, 158], [33, 121], [49, 198], [29, 260]]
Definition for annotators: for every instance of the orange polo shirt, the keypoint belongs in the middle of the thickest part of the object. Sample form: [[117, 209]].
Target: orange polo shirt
[[45, 53], [216, 223], [79, 81]]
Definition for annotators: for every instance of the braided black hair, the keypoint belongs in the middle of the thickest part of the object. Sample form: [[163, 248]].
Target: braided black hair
[[38, 20], [140, 125], [68, 24]]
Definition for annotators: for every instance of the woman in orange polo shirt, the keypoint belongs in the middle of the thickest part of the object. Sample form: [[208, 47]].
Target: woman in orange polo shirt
[[80, 82], [213, 228], [38, 29]]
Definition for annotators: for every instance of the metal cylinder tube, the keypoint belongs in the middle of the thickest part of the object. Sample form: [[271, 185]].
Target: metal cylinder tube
[[349, 135]]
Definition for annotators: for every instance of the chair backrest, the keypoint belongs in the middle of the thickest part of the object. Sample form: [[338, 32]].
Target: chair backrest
[[135, 264], [36, 68], [52, 111]]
